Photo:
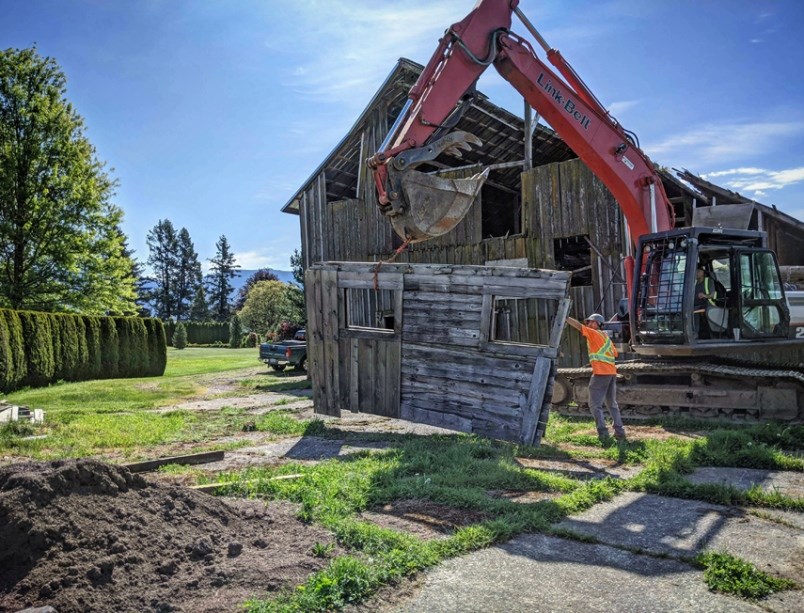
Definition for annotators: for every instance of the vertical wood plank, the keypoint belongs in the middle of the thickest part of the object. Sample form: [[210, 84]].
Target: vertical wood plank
[[535, 399], [331, 315], [354, 377]]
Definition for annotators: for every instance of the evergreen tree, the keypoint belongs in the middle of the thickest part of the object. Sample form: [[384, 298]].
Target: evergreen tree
[[264, 274], [297, 266], [162, 242], [188, 274], [200, 310], [61, 246], [235, 332], [140, 282], [179, 339], [222, 271]]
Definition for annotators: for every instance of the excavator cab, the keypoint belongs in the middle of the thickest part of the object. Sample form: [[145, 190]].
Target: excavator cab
[[744, 303]]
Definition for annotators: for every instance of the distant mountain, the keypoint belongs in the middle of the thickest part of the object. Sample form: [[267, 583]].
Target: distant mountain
[[286, 276]]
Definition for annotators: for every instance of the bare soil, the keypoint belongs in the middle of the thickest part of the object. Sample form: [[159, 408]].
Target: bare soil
[[422, 518], [88, 536]]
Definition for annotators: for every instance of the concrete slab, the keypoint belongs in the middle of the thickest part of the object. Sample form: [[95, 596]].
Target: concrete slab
[[780, 481], [300, 448], [541, 573], [790, 518], [582, 469], [683, 528]]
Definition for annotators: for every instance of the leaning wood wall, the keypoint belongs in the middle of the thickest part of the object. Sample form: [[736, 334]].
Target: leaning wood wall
[[439, 365]]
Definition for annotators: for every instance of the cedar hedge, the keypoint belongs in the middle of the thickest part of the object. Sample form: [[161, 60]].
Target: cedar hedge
[[37, 349], [201, 332]]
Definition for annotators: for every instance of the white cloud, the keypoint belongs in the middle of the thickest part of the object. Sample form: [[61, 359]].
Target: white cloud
[[622, 106], [263, 258], [736, 171], [350, 46], [717, 143]]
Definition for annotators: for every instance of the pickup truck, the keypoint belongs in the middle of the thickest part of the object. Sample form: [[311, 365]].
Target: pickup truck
[[286, 353]]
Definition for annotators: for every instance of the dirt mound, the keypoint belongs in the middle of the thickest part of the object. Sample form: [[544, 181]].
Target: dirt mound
[[88, 536]]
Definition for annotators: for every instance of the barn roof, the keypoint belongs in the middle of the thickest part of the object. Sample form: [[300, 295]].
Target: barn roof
[[502, 134]]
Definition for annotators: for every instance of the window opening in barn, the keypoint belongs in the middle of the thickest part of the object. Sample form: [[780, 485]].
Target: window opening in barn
[[369, 309], [524, 321], [501, 212], [574, 253]]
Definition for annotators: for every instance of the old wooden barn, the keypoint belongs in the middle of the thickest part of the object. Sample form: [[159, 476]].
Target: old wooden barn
[[541, 208]]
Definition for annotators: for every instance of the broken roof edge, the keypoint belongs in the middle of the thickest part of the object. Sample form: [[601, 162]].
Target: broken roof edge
[[702, 184], [292, 205]]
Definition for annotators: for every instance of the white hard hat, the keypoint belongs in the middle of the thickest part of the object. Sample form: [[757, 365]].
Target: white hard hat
[[596, 317]]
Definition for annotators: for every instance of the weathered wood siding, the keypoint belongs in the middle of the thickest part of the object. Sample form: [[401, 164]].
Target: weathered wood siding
[[440, 364], [558, 201], [566, 200]]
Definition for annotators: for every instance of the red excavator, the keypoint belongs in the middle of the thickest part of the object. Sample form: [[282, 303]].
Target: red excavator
[[702, 360]]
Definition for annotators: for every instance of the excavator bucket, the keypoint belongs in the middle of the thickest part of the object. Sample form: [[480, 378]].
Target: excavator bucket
[[434, 205]]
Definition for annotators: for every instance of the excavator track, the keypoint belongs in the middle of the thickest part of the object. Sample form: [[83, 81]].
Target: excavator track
[[700, 389]]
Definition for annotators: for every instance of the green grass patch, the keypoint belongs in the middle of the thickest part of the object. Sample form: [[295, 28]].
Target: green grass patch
[[728, 574], [285, 423], [745, 449], [204, 360], [116, 415], [454, 470]]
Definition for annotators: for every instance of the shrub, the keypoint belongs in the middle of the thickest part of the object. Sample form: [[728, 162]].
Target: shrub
[[250, 340], [110, 349], [235, 332], [124, 346], [94, 364], [286, 329], [38, 341], [180, 336], [37, 349], [157, 346], [6, 359], [18, 366]]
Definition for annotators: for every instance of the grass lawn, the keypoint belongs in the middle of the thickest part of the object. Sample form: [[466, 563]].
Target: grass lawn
[[117, 418], [116, 415]]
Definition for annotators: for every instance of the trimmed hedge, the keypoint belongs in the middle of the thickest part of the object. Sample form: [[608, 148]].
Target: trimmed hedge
[[200, 333], [37, 349]]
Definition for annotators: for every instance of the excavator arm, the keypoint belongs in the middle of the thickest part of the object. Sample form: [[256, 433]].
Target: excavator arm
[[423, 206]]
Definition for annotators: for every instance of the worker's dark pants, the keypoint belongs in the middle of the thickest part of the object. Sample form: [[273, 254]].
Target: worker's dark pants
[[603, 388]]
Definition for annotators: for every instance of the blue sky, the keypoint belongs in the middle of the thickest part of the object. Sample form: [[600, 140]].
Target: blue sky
[[212, 113]]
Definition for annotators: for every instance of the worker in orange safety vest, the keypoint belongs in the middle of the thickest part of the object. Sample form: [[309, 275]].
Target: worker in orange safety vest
[[603, 384]]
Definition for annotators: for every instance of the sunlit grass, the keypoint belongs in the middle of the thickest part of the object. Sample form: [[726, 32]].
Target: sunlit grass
[[204, 360], [117, 415]]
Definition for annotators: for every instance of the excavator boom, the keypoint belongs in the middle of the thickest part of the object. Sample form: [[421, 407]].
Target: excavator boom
[[468, 47]]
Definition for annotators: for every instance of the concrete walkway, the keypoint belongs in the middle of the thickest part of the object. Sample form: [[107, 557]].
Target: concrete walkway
[[640, 562]]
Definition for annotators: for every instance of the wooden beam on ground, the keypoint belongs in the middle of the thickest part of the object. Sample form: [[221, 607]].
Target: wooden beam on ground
[[195, 458], [211, 487]]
